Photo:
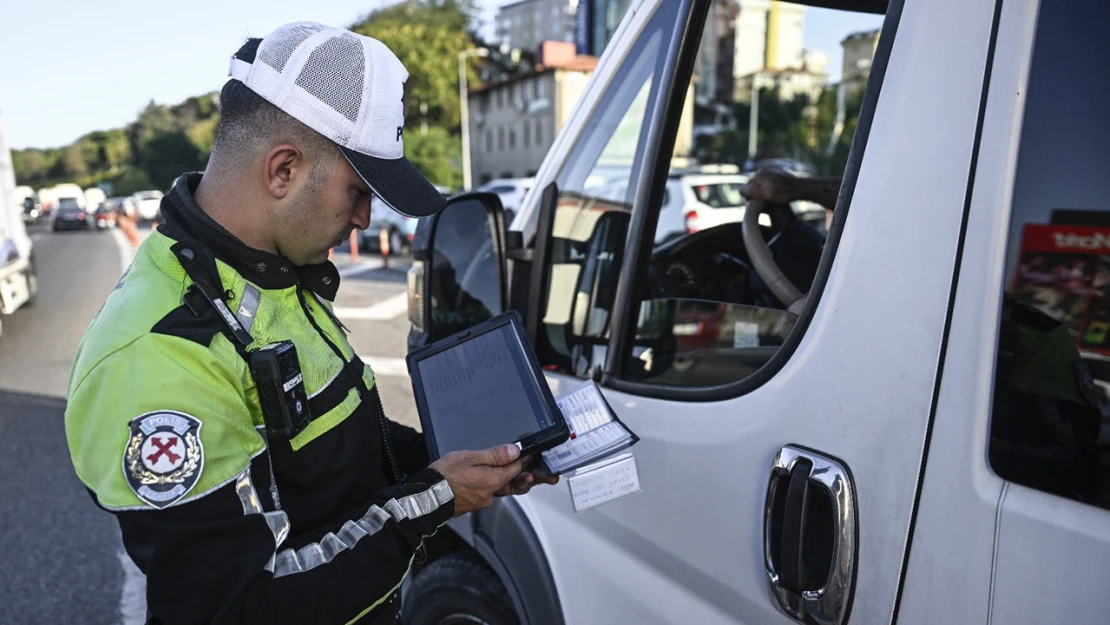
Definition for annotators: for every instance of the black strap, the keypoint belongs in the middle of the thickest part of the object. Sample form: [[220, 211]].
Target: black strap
[[193, 261]]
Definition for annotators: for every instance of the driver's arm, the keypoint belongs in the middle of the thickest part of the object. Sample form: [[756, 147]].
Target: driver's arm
[[779, 187]]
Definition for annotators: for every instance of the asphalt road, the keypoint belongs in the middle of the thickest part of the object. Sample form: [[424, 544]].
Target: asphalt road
[[59, 551], [62, 556]]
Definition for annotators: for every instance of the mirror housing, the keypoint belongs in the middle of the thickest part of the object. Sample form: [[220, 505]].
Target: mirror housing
[[458, 275]]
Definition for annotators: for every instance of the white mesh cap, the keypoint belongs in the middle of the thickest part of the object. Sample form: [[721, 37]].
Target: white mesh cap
[[349, 88]]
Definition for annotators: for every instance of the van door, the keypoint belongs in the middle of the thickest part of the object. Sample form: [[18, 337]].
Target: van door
[[760, 422], [1014, 516]]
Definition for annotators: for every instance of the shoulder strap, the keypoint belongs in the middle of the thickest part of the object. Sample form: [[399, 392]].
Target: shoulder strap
[[206, 281]]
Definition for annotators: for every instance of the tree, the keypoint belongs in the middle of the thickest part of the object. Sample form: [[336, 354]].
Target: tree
[[167, 155], [427, 36], [130, 180], [436, 155], [73, 161], [31, 165]]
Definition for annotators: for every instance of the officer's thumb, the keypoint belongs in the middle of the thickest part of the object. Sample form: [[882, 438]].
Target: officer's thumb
[[500, 455]]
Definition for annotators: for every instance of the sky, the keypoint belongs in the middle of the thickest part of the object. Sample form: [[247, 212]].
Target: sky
[[69, 67]]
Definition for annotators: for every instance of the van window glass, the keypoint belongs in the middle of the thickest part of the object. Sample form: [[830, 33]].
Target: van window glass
[[594, 204], [706, 315], [1050, 426]]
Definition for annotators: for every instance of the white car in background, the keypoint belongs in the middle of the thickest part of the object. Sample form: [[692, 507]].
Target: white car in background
[[147, 204], [510, 190], [399, 228]]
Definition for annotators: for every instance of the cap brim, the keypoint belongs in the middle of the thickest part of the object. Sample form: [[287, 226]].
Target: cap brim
[[398, 183]]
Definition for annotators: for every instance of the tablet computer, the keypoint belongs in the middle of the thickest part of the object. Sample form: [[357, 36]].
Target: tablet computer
[[483, 387]]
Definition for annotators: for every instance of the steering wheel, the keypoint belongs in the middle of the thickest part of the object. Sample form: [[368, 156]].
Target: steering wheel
[[760, 253]]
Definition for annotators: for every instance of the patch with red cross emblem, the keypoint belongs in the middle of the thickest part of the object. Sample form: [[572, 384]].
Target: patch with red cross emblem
[[163, 457]]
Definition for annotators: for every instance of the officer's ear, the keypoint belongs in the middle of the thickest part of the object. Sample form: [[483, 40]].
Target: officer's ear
[[283, 166]]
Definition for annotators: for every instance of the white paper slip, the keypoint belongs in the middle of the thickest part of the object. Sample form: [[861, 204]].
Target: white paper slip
[[603, 482]]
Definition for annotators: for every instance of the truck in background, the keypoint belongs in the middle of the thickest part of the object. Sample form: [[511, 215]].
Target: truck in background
[[17, 265]]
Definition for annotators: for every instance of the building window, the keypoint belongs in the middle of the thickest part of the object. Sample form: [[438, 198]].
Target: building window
[[539, 132], [527, 134], [489, 141], [500, 138], [541, 88], [512, 138]]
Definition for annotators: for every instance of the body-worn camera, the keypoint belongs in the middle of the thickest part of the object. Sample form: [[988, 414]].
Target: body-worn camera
[[277, 374]]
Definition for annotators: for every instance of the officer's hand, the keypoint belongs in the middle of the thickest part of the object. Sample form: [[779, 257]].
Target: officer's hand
[[534, 473], [475, 476], [772, 186]]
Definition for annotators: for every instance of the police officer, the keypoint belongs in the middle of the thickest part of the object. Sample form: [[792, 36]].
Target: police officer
[[215, 404]]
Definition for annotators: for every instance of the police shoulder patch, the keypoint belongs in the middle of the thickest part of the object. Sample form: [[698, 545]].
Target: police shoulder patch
[[163, 457]]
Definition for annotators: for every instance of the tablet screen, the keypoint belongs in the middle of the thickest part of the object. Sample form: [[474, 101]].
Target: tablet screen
[[483, 375]]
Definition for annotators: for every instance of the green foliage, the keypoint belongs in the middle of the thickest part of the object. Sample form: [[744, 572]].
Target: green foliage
[[427, 35], [436, 155], [165, 141], [130, 180], [167, 155], [793, 128]]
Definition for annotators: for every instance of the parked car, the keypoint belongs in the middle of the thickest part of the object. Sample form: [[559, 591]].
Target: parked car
[[698, 198], [147, 204], [914, 429], [510, 190], [105, 215], [32, 211], [399, 228], [70, 215]]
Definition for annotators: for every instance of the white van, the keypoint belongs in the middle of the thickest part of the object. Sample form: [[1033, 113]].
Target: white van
[[919, 434], [18, 286]]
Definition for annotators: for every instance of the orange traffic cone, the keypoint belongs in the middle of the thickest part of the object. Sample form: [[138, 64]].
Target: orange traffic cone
[[383, 239]]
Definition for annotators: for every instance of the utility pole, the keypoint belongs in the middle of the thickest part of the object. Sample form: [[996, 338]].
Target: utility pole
[[753, 119], [464, 111]]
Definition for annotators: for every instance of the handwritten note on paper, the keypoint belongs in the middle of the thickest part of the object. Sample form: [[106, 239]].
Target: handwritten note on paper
[[606, 481]]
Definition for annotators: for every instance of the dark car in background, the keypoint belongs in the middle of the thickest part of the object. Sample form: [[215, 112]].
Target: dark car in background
[[105, 215], [32, 211], [70, 215]]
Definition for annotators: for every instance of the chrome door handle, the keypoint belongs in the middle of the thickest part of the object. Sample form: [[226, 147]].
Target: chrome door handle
[[810, 536]]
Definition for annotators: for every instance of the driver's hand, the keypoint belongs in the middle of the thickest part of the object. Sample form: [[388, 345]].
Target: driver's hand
[[772, 186]]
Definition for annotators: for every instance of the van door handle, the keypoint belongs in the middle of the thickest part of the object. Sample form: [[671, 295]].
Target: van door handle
[[810, 536]]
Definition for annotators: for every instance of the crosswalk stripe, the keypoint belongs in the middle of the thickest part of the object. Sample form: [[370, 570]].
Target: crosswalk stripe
[[386, 366], [389, 308]]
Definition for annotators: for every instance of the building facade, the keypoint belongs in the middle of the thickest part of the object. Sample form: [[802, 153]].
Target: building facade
[[769, 35], [859, 49], [714, 78], [528, 23], [513, 123]]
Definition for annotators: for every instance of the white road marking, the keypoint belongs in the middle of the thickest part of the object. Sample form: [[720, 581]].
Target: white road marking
[[386, 366], [132, 601], [126, 252], [359, 267], [386, 309]]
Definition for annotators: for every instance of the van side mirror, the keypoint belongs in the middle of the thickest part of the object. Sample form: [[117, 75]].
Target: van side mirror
[[457, 277]]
